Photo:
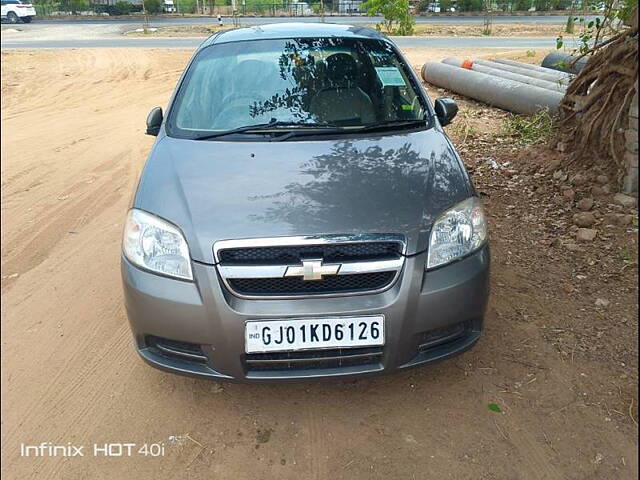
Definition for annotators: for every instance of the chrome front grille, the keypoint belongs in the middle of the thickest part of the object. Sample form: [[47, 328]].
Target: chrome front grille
[[291, 267]]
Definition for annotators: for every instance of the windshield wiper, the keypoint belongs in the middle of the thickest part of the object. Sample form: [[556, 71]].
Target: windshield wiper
[[303, 129], [392, 124], [272, 124]]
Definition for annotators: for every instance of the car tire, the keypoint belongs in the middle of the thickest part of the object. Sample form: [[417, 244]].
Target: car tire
[[26, 19], [12, 17]]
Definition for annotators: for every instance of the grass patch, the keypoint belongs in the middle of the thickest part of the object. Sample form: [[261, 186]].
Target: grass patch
[[529, 129], [462, 129]]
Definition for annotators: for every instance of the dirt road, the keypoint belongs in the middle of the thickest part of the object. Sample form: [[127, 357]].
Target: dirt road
[[73, 145]]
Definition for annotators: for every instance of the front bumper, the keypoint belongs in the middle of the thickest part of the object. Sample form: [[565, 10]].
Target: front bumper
[[204, 314]]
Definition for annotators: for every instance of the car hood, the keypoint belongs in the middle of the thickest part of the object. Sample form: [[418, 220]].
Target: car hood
[[220, 190]]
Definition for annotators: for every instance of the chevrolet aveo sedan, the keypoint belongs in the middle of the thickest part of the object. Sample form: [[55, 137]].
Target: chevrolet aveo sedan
[[302, 214]]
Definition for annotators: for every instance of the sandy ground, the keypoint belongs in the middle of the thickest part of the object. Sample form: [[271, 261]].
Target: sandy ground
[[73, 147], [64, 31]]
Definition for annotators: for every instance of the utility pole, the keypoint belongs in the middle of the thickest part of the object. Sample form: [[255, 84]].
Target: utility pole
[[322, 10]]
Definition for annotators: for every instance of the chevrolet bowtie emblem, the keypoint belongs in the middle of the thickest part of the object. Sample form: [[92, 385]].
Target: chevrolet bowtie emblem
[[312, 270]]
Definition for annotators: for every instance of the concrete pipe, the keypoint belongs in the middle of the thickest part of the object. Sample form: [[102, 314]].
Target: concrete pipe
[[516, 77], [535, 68], [500, 92], [564, 62], [550, 77]]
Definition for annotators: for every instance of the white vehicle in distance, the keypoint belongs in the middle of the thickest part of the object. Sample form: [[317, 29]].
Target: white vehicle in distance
[[169, 6], [15, 10]]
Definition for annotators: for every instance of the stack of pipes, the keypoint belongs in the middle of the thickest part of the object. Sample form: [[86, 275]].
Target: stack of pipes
[[513, 86]]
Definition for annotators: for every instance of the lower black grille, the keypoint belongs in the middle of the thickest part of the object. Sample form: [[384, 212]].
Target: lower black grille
[[297, 286], [330, 253], [314, 359], [176, 350], [439, 336]]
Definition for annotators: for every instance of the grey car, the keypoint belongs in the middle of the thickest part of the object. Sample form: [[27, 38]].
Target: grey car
[[302, 214]]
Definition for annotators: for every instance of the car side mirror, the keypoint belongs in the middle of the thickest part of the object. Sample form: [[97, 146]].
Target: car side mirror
[[154, 121], [446, 110]]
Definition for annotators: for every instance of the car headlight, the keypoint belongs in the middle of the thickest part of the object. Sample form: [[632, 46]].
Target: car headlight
[[153, 244], [457, 232]]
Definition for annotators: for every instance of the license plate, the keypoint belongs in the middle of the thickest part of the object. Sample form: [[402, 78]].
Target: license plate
[[313, 333]]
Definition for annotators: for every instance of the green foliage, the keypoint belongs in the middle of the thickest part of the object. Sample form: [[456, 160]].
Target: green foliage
[[470, 5], [627, 9], [521, 5], [445, 5], [45, 7], [608, 23], [122, 8], [186, 6], [529, 129], [542, 5], [153, 6], [397, 17], [494, 407], [263, 6], [78, 6], [422, 6]]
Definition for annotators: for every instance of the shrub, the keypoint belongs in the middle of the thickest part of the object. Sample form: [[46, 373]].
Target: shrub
[[122, 8], [78, 6], [397, 17], [471, 5], [529, 129], [153, 6]]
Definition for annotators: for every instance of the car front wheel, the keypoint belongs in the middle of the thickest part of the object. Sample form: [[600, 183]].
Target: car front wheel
[[12, 17]]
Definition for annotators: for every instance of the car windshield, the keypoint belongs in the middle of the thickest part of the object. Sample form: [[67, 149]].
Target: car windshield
[[337, 82]]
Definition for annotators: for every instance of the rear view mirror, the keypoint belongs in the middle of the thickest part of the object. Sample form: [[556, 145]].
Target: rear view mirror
[[154, 121], [446, 110]]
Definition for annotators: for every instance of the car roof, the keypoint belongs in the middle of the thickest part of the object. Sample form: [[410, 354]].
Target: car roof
[[292, 30]]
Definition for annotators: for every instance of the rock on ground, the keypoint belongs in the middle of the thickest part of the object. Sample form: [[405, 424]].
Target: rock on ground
[[624, 200], [586, 234], [585, 204], [584, 219]]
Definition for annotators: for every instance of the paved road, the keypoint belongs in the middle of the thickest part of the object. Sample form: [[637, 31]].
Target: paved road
[[105, 33], [190, 43], [359, 19]]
